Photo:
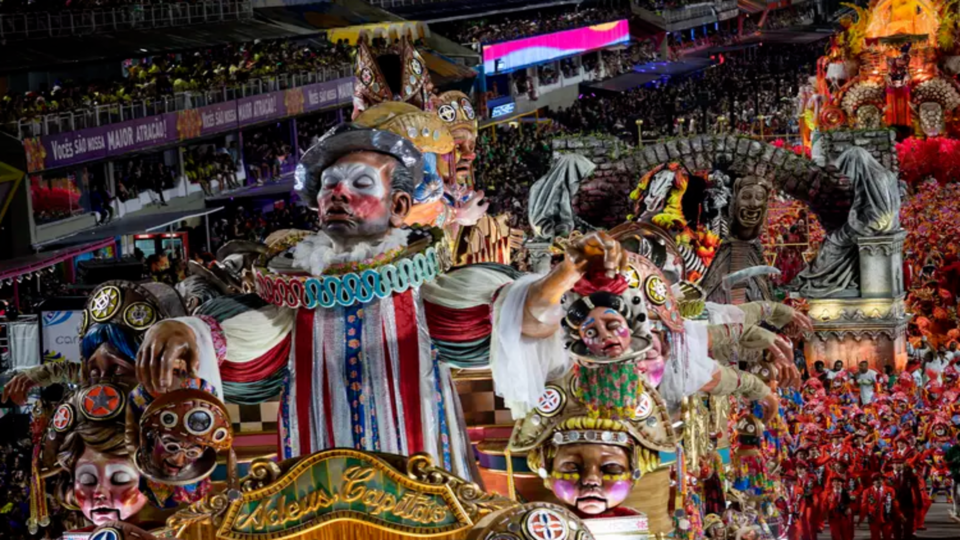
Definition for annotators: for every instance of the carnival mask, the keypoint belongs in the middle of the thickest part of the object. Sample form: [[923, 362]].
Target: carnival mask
[[355, 200], [751, 202], [106, 488], [180, 435], [592, 478], [173, 454], [466, 140], [605, 333]]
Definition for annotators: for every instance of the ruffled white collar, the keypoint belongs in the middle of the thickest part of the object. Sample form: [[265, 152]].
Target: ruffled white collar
[[317, 252]]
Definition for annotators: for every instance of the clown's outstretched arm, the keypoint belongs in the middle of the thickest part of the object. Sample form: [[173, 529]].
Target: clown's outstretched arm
[[726, 339], [526, 346], [729, 381], [775, 314], [45, 375]]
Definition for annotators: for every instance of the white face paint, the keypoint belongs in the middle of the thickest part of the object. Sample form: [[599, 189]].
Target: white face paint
[[353, 200], [358, 178]]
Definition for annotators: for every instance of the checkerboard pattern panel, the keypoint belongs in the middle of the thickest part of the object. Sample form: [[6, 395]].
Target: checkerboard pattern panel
[[481, 407], [254, 418]]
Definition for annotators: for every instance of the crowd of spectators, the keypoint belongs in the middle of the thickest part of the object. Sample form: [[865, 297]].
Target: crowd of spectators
[[256, 224], [477, 32], [139, 175], [20, 6], [509, 162], [163, 76], [208, 164], [931, 264], [742, 87], [266, 152]]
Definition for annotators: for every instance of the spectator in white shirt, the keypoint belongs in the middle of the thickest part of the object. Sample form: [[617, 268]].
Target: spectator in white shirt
[[867, 381], [837, 369]]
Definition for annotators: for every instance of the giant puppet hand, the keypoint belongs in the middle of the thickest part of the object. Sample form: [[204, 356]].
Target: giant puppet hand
[[596, 253], [169, 351], [780, 349], [472, 210], [19, 386]]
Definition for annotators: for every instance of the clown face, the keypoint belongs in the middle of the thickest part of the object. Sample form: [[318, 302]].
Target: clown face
[[172, 454], [606, 333], [592, 478], [106, 488], [354, 201], [751, 203]]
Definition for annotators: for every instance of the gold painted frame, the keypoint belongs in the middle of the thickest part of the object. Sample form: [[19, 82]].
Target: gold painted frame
[[444, 489]]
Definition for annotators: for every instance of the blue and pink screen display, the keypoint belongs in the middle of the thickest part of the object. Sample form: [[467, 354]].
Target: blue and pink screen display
[[510, 55]]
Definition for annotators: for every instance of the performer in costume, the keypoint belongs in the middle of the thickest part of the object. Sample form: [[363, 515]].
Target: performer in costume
[[879, 503]]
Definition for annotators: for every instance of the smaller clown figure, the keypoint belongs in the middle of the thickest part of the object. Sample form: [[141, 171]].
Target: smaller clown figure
[[180, 434], [749, 458], [939, 433]]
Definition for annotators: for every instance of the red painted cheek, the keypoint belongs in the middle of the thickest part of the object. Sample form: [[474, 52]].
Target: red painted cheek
[[367, 207], [82, 497], [131, 499]]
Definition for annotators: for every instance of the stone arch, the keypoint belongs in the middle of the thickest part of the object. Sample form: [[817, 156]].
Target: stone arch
[[827, 192]]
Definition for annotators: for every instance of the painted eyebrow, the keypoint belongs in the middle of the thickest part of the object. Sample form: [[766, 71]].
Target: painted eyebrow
[[588, 322], [610, 311]]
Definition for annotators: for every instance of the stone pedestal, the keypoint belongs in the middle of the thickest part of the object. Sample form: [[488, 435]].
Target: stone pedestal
[[539, 256], [881, 266], [872, 325], [856, 329]]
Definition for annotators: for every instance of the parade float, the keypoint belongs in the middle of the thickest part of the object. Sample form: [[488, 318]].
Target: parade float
[[894, 64]]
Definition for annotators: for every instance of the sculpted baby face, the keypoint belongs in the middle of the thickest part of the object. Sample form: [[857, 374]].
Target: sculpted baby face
[[106, 488], [605, 333], [601, 476]]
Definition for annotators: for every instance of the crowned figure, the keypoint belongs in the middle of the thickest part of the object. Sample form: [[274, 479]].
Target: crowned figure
[[635, 361]]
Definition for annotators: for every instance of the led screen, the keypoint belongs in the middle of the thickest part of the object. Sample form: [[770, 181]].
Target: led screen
[[510, 55]]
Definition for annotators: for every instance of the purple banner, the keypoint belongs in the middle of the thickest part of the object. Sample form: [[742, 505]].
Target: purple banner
[[100, 142], [318, 96], [54, 151], [254, 109], [217, 118]]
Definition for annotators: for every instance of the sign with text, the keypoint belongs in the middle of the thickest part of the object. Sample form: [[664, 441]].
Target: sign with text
[[91, 144], [338, 485], [61, 335]]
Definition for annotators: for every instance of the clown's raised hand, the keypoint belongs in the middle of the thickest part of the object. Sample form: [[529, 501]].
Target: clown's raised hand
[[594, 252]]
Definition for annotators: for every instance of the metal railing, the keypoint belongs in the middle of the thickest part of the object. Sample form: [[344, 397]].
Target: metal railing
[[35, 25], [112, 113]]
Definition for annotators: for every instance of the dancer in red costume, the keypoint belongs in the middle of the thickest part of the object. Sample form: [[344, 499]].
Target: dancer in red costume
[[879, 503], [909, 498], [837, 505]]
